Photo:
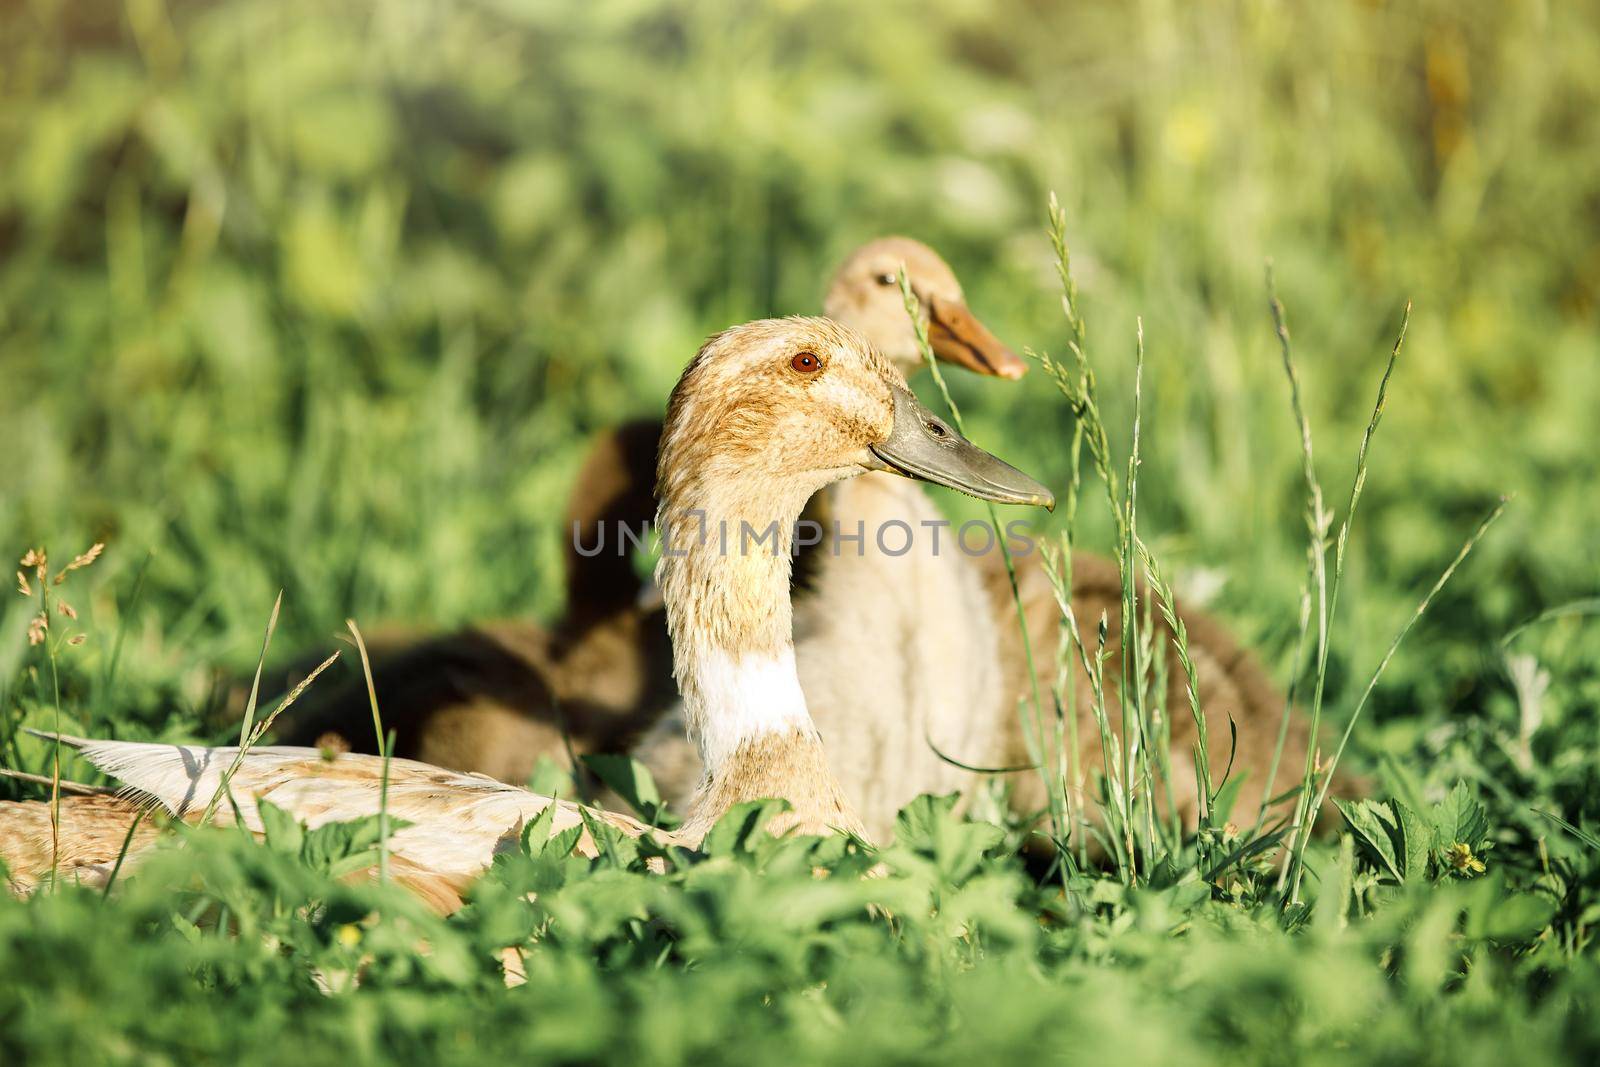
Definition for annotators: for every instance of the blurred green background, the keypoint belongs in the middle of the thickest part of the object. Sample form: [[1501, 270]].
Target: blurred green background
[[327, 297]]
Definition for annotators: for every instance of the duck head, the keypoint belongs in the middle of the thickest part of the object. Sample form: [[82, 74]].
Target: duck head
[[865, 295], [772, 411]]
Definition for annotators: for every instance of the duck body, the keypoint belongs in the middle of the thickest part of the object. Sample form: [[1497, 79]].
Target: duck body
[[455, 823]]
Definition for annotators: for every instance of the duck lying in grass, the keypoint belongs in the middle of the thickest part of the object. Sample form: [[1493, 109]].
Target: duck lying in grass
[[765, 415], [938, 672]]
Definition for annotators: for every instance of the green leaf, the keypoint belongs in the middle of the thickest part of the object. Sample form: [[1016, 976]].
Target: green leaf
[[1372, 824], [614, 846], [561, 844], [1518, 917], [1460, 817], [340, 848], [929, 827], [735, 831], [631, 781], [536, 833], [549, 779], [1415, 841], [282, 831]]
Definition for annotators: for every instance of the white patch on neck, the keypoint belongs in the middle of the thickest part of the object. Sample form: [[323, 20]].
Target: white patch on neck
[[744, 698]]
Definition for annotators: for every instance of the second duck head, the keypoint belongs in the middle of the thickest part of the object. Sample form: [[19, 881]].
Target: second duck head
[[864, 294]]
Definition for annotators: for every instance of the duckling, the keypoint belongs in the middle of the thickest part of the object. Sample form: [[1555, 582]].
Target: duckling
[[495, 698], [766, 415]]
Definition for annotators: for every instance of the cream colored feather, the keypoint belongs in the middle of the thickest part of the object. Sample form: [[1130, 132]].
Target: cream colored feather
[[457, 821]]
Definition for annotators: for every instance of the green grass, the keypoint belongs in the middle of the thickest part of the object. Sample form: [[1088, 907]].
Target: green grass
[[327, 298]]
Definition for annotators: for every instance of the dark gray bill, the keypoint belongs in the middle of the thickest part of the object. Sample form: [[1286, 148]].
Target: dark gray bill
[[924, 446]]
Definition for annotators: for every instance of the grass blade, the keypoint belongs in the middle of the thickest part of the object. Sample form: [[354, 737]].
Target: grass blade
[[385, 746]]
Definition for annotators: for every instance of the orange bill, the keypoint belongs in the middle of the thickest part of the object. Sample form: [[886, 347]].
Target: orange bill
[[958, 337]]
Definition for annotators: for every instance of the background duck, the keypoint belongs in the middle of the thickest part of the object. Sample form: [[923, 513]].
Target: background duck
[[765, 415]]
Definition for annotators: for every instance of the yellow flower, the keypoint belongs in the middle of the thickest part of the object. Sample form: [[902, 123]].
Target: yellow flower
[[1460, 858], [349, 935]]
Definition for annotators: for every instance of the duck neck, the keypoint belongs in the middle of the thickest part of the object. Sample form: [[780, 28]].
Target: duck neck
[[724, 575]]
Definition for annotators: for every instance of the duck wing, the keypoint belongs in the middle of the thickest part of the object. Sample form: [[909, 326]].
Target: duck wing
[[457, 821]]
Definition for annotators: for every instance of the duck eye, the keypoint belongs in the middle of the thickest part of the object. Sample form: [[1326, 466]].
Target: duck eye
[[806, 363], [888, 279], [937, 428]]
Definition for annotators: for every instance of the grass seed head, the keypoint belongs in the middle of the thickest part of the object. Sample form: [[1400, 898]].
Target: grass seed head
[[38, 629], [83, 559], [22, 584]]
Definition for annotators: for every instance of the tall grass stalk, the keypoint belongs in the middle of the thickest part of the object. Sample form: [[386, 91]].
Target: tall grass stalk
[[1057, 561], [1205, 794], [1372, 683], [54, 638], [55, 748], [1134, 744], [252, 735], [1288, 699], [1133, 771], [1317, 523], [1319, 520], [1061, 581], [246, 727], [385, 746], [1116, 817], [122, 853]]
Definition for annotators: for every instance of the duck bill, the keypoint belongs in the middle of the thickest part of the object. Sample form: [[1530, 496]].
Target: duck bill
[[923, 446], [957, 336]]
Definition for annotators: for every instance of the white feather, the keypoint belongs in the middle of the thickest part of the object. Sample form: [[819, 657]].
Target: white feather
[[744, 698]]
